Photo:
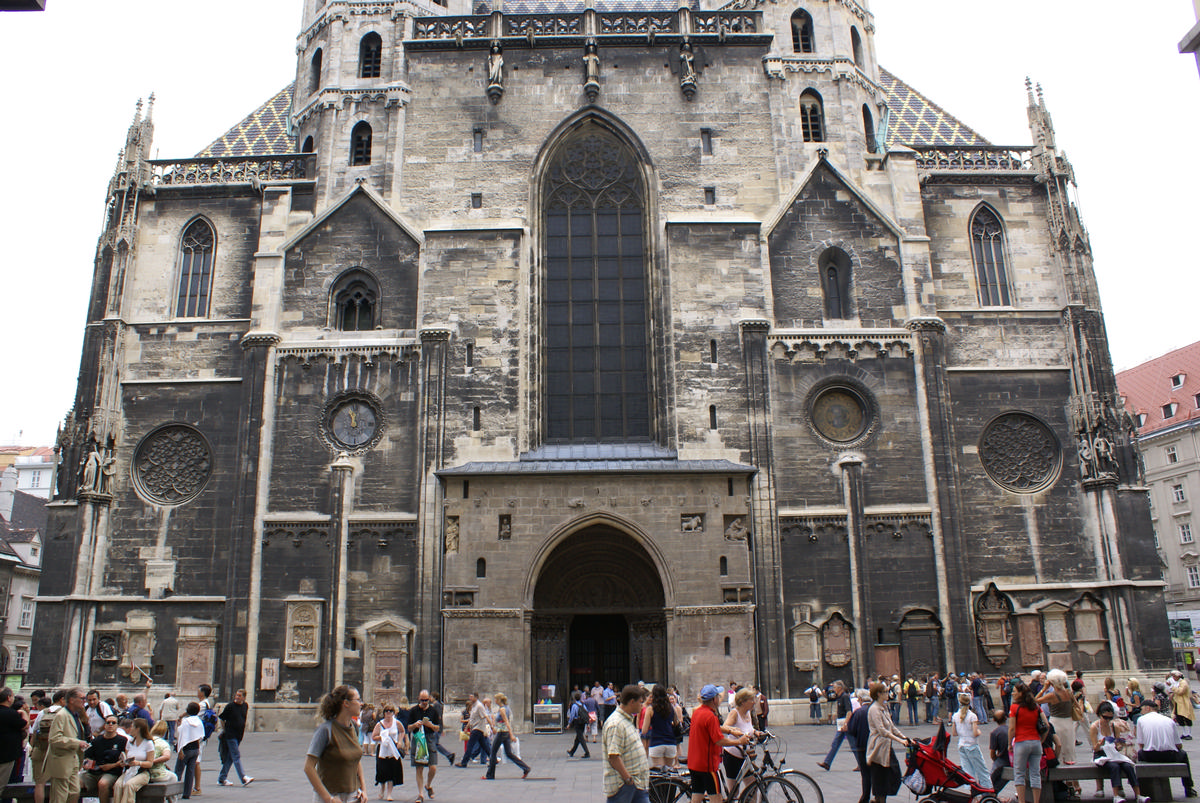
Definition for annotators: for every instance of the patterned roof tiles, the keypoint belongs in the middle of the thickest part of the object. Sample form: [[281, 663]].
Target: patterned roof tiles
[[916, 120], [263, 132]]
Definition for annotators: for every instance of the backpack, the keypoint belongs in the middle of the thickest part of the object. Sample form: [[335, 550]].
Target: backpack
[[208, 717], [894, 692], [579, 715], [914, 689], [42, 737]]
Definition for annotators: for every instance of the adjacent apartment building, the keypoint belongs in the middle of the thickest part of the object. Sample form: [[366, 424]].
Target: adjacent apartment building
[[1163, 395]]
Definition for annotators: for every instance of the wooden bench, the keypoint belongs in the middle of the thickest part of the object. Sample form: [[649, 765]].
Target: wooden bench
[[1154, 779], [150, 793]]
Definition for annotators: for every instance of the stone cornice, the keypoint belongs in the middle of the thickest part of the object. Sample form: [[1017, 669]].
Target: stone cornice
[[481, 613], [332, 97]]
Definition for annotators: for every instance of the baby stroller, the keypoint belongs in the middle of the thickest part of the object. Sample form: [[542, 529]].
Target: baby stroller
[[942, 777]]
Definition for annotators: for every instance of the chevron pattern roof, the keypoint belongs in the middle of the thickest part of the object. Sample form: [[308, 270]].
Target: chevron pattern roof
[[916, 121]]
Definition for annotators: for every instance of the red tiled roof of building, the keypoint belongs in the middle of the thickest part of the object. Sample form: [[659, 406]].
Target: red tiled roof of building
[[1149, 387]]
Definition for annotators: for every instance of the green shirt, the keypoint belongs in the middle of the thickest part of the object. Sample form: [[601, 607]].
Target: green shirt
[[621, 738]]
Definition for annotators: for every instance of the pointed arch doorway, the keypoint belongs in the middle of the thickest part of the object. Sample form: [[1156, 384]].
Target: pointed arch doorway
[[598, 613]]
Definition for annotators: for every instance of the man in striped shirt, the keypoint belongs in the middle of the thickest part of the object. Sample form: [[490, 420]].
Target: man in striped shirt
[[627, 771]]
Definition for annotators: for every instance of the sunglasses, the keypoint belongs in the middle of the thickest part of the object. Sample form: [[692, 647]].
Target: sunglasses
[[110, 722]]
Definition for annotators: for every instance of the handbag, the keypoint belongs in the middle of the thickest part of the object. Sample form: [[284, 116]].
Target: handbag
[[895, 777], [916, 782], [420, 747]]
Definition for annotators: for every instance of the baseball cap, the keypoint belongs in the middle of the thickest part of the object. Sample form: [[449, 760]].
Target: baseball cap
[[710, 691]]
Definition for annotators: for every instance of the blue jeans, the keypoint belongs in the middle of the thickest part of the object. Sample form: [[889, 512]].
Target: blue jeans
[[979, 706], [895, 706], [814, 712], [231, 756], [630, 794], [935, 705], [437, 740], [970, 758], [912, 712], [833, 748], [476, 744], [170, 731], [185, 767], [502, 740]]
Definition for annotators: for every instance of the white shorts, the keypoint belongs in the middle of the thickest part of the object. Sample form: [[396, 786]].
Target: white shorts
[[663, 751]]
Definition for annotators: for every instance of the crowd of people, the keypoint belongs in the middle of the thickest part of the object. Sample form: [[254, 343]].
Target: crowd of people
[[78, 743], [1040, 721]]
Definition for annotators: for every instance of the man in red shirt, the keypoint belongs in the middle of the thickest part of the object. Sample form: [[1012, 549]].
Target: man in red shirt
[[705, 741]]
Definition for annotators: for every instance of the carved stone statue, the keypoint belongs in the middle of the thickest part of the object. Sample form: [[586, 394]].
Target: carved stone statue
[[1086, 467], [495, 88], [89, 480], [1102, 450], [736, 531], [591, 70], [687, 70], [452, 533], [108, 468]]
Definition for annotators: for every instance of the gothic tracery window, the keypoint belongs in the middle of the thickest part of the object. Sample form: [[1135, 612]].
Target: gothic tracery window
[[596, 375], [812, 117], [196, 250], [370, 56], [802, 32], [987, 249], [360, 144], [355, 302]]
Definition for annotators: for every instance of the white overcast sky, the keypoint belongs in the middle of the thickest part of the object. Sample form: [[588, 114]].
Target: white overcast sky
[[1126, 108]]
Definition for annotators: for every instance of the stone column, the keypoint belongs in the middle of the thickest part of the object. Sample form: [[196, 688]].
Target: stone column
[[850, 465], [427, 658], [343, 503]]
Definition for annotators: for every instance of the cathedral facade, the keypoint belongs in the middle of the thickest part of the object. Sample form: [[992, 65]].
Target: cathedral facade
[[522, 345]]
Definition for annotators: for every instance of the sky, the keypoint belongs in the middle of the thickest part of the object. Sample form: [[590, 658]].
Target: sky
[[1125, 104]]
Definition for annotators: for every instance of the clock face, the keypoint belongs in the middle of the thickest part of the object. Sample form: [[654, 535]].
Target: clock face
[[840, 415], [353, 423]]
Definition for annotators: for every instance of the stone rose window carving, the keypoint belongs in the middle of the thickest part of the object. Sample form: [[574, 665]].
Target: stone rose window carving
[[1020, 453], [172, 464]]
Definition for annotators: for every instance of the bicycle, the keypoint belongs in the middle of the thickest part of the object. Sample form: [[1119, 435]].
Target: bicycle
[[810, 790], [764, 787], [669, 786]]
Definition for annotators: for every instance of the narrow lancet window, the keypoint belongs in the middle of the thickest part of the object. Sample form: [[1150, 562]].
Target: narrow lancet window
[[196, 250], [987, 248]]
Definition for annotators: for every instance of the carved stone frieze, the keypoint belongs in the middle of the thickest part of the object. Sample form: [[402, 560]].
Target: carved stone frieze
[[818, 345], [714, 610], [399, 351], [297, 533], [481, 613], [303, 635]]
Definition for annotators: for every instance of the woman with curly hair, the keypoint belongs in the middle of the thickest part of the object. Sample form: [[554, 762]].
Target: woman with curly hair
[[658, 731], [334, 762]]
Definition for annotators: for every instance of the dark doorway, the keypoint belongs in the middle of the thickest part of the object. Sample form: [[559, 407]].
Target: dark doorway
[[599, 650], [921, 642]]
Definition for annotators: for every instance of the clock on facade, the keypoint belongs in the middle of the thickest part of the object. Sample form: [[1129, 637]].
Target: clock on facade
[[353, 423], [840, 415]]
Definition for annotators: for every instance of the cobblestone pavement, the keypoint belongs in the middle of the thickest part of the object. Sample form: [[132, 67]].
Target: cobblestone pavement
[[276, 761]]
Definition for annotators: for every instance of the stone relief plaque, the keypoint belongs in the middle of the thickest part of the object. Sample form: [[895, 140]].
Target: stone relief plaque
[[1089, 629], [387, 648], [303, 634], [837, 641], [108, 648], [172, 464], [196, 654], [1054, 624], [1029, 627]]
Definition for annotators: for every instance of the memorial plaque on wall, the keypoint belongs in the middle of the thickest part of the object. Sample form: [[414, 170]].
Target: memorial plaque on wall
[[270, 674], [1029, 626]]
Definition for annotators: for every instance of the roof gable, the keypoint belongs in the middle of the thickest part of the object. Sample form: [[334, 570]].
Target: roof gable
[[860, 197]]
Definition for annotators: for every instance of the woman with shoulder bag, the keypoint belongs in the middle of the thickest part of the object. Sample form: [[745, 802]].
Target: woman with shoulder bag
[[1057, 695], [1025, 743], [881, 759]]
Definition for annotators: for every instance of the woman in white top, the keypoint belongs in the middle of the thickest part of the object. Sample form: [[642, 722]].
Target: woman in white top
[[393, 744], [740, 718], [139, 760], [965, 725]]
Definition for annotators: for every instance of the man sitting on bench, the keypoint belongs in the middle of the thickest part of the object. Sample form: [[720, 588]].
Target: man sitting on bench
[[1159, 742]]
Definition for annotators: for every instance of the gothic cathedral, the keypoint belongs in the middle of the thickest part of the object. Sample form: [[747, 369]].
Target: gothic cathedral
[[533, 343]]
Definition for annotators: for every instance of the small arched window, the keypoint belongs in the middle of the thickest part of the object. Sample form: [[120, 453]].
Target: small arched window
[[835, 269], [812, 117], [987, 249], [356, 302], [869, 129], [314, 75], [360, 144], [481, 568], [724, 566], [196, 250], [856, 46], [309, 146], [802, 32], [370, 56]]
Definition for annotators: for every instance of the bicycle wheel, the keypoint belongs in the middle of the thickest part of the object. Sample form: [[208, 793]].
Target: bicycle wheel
[[810, 790], [664, 789], [775, 789]]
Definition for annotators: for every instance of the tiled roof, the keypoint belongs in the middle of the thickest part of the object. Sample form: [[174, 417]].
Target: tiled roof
[[1147, 389], [917, 121], [263, 132]]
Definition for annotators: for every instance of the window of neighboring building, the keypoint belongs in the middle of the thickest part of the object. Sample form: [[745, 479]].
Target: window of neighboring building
[[987, 248], [1172, 454], [1193, 576], [20, 659], [196, 250], [1177, 381], [1168, 410], [802, 32], [812, 117], [1141, 419], [26, 613], [1177, 493], [35, 479], [1185, 533], [1154, 532], [596, 315], [314, 75], [370, 56], [356, 301], [1196, 399], [360, 144]]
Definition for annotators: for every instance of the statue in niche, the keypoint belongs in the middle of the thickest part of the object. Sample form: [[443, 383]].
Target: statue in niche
[[1086, 467], [591, 70], [736, 531], [452, 533], [495, 88], [89, 479], [687, 70], [1102, 452], [108, 468]]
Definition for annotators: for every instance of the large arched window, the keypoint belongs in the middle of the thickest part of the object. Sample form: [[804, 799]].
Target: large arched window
[[370, 56], [314, 75], [355, 302], [835, 267], [812, 117], [597, 381], [360, 144], [196, 250], [987, 248], [802, 32]]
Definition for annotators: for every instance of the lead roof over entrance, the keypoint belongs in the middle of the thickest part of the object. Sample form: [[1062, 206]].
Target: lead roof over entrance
[[599, 458]]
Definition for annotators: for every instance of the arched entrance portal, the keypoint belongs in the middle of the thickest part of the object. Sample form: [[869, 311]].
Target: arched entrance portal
[[598, 613]]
